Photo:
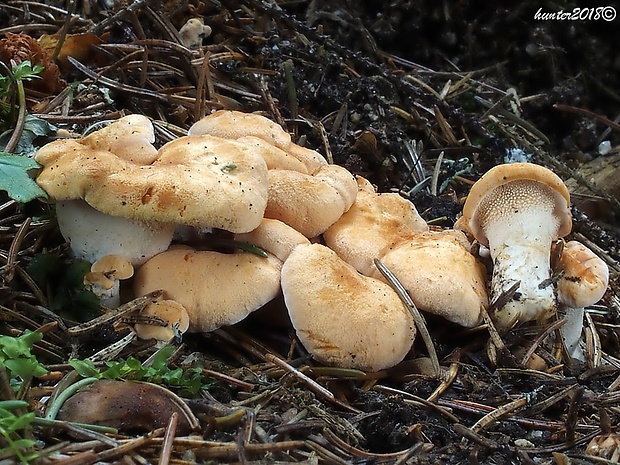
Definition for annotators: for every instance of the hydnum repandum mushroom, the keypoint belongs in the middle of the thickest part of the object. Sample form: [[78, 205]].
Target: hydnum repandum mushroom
[[219, 289], [342, 317], [231, 124], [517, 210], [201, 181], [437, 268], [105, 277], [583, 280]]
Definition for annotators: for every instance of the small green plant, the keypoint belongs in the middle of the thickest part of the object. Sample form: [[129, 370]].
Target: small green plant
[[17, 133], [17, 358], [12, 89], [10, 427], [188, 380]]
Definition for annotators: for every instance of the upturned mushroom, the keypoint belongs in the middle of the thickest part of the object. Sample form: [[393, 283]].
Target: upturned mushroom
[[583, 281], [517, 210], [200, 181], [342, 317]]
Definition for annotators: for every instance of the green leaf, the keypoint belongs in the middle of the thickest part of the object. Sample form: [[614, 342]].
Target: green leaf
[[33, 127], [85, 368], [15, 180], [16, 356]]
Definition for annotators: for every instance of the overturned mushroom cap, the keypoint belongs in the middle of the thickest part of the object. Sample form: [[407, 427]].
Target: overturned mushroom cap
[[505, 188], [310, 204], [173, 315], [130, 137], [342, 317], [216, 289], [198, 180], [441, 275], [374, 224], [518, 210], [231, 124], [585, 276]]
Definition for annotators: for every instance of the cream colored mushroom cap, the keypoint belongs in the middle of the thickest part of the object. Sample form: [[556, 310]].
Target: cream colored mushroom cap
[[374, 224], [231, 124], [216, 289], [199, 180], [441, 276], [532, 181], [173, 313], [310, 204], [130, 137], [585, 276], [342, 317]]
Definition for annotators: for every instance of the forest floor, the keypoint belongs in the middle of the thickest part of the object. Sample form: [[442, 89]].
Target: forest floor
[[421, 98]]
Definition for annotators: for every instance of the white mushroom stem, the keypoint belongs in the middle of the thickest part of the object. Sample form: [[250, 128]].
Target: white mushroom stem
[[571, 332], [92, 234], [519, 243]]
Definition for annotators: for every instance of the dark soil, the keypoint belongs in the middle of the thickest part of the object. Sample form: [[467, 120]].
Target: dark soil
[[376, 87]]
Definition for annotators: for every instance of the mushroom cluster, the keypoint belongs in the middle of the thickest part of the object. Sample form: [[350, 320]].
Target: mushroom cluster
[[292, 225]]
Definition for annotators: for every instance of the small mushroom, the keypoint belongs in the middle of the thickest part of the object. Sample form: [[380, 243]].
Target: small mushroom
[[583, 282], [374, 224], [193, 31], [231, 124], [517, 210], [170, 312], [342, 317], [105, 276], [310, 203]]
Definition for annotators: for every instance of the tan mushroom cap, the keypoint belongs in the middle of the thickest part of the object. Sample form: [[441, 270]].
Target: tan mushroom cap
[[130, 137], [310, 204], [585, 276], [275, 158], [374, 224], [441, 275], [508, 187], [173, 313], [275, 237], [216, 289], [342, 317], [231, 124], [114, 266], [199, 180]]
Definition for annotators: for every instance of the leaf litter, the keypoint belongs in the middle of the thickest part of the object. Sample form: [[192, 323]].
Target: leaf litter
[[420, 99]]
